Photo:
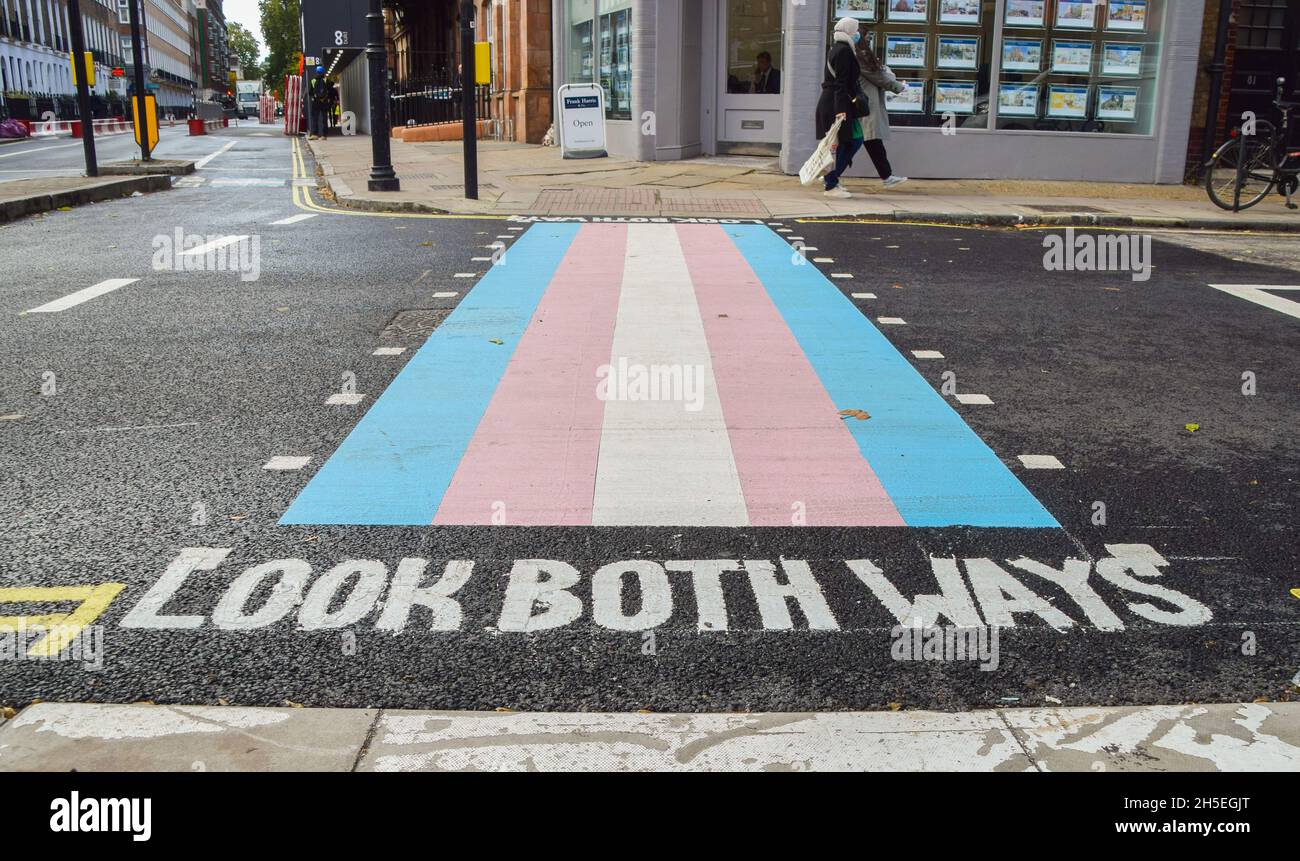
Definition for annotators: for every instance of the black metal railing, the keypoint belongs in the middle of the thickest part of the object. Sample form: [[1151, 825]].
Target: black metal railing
[[431, 93]]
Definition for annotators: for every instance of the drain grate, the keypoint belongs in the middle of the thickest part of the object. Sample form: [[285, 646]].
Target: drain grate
[[459, 186], [411, 328]]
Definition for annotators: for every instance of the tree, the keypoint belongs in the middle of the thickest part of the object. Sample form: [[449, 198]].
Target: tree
[[280, 28], [243, 45]]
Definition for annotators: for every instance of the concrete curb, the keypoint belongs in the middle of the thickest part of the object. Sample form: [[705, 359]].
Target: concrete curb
[[11, 210], [145, 737], [135, 167], [345, 198]]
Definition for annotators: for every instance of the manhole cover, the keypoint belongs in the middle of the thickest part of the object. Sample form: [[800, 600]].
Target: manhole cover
[[458, 186], [411, 328]]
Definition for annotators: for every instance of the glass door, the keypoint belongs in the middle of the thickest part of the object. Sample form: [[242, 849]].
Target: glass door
[[751, 76]]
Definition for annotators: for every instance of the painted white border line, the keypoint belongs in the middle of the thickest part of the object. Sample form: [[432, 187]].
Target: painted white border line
[[294, 219], [201, 163], [1255, 293], [213, 245], [84, 295], [1190, 738], [286, 461]]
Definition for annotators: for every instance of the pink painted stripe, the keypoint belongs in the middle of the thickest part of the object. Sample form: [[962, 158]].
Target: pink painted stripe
[[793, 452], [532, 460]]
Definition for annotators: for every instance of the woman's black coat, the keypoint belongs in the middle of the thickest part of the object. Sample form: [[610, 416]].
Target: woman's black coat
[[840, 92]]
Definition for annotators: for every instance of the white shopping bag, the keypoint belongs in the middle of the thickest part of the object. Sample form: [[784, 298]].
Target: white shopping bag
[[822, 159]]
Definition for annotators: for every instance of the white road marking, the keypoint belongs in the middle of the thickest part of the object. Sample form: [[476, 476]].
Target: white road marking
[[73, 299], [1255, 293], [294, 219], [210, 156], [389, 351], [514, 228], [863, 295], [811, 248], [1041, 461], [39, 149], [347, 399], [822, 259], [133, 428], [245, 182], [891, 321], [795, 238], [466, 275], [480, 260], [982, 400], [219, 242], [446, 294], [285, 461], [785, 230], [841, 275], [927, 354]]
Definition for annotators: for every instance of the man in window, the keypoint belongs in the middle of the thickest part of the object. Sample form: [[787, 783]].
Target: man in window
[[767, 81]]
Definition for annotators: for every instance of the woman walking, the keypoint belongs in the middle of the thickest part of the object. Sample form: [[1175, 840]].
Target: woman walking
[[842, 98], [876, 79]]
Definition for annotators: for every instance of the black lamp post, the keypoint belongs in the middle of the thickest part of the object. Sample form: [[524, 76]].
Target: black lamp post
[[382, 175]]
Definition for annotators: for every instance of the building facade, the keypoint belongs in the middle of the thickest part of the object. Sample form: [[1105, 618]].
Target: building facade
[[214, 53], [1041, 89], [168, 36], [35, 51]]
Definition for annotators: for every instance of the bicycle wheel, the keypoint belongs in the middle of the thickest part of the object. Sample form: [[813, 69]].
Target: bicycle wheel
[[1241, 174]]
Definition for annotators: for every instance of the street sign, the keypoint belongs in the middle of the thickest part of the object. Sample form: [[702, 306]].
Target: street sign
[[333, 25], [150, 124], [482, 62], [582, 121], [88, 59]]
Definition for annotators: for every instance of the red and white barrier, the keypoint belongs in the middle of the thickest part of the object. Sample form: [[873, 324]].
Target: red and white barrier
[[202, 127], [66, 128], [293, 104]]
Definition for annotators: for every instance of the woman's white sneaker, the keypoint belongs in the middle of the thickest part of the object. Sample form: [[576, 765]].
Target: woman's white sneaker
[[837, 191], [895, 180]]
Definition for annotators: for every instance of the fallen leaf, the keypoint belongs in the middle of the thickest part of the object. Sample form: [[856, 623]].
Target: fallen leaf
[[860, 415], [893, 707], [293, 705], [239, 517], [8, 712], [312, 538], [503, 710], [1193, 427], [426, 244], [496, 341], [221, 701]]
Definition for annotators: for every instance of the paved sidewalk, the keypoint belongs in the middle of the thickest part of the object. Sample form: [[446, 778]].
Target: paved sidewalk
[[520, 179], [87, 737], [21, 197]]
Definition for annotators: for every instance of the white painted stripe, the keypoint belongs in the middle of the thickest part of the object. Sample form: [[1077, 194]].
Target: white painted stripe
[[480, 260], [863, 295], [347, 399], [389, 351], [73, 299], [1040, 461], [1255, 293], [466, 275], [822, 259], [660, 463], [286, 461], [983, 400], [841, 275], [446, 294], [210, 156], [294, 219], [891, 321], [811, 248], [229, 182], [927, 354], [213, 245], [39, 149]]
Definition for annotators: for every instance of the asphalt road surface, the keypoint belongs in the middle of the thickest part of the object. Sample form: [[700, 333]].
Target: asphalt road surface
[[460, 518]]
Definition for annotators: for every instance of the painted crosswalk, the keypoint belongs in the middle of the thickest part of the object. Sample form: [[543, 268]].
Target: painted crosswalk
[[661, 374]]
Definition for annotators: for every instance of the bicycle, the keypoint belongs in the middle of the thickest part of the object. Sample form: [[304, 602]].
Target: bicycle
[[1248, 166]]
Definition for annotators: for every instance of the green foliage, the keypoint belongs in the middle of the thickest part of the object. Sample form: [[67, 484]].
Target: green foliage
[[243, 45], [280, 28]]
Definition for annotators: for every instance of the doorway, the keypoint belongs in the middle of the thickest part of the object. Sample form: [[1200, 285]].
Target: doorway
[[750, 76]]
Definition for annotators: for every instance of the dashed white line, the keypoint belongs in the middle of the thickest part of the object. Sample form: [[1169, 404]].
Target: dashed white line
[[863, 295], [465, 275], [446, 294], [347, 399], [927, 354], [285, 461], [822, 259], [85, 295], [219, 242], [1040, 461], [973, 400], [480, 260], [841, 275], [891, 321], [207, 158], [294, 219], [388, 351]]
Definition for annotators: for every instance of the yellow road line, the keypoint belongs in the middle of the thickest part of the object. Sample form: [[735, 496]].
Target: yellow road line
[[302, 199], [60, 629]]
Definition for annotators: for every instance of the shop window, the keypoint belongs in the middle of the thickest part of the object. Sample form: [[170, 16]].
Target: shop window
[[1079, 66], [754, 47], [599, 50], [942, 49], [1087, 66]]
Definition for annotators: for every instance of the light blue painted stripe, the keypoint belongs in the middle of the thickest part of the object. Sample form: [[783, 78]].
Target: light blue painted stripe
[[395, 466], [935, 468]]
